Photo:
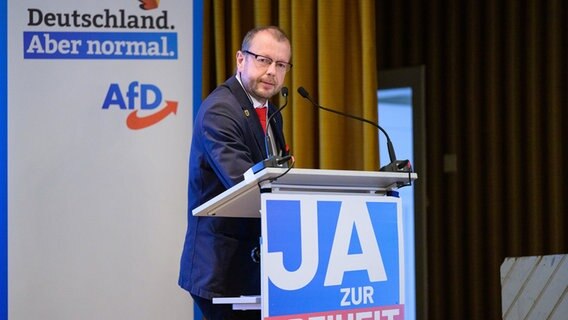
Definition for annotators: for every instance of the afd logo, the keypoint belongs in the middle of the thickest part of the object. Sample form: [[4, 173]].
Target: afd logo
[[149, 4], [333, 255], [143, 97]]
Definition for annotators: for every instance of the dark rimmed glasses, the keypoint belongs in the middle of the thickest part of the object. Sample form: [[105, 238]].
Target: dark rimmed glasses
[[265, 62]]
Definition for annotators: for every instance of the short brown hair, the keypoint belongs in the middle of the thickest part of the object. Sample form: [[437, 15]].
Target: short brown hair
[[278, 34]]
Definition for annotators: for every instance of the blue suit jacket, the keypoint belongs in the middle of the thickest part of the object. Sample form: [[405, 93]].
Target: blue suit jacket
[[227, 140]]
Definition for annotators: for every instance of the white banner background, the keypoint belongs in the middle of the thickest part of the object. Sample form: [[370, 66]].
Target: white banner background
[[97, 211]]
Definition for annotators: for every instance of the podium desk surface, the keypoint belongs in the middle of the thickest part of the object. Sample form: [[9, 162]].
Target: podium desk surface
[[243, 199]]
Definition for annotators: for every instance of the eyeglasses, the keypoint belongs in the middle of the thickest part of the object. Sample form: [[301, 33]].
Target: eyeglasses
[[265, 62]]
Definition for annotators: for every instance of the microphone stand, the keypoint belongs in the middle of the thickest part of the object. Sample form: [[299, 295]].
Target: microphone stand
[[394, 165], [273, 161]]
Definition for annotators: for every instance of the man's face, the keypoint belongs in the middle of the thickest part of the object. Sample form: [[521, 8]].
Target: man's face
[[259, 80]]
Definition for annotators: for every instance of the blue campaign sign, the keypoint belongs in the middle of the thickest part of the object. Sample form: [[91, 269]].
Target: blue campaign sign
[[332, 253]]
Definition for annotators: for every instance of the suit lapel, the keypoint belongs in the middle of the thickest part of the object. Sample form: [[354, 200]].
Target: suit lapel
[[249, 112]]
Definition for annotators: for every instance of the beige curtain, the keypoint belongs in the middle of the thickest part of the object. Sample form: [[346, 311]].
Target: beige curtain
[[334, 57]]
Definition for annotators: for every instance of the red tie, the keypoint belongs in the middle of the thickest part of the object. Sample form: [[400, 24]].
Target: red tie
[[261, 112]]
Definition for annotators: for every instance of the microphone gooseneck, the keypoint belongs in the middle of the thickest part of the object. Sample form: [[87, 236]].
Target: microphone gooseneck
[[394, 165], [272, 160], [284, 93]]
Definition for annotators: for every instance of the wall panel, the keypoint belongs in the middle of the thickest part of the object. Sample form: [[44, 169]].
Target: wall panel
[[496, 94]]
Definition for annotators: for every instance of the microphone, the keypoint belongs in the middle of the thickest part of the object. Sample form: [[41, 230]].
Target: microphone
[[273, 161], [394, 165], [269, 151]]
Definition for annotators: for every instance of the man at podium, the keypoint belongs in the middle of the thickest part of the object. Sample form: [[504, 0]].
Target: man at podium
[[228, 138]]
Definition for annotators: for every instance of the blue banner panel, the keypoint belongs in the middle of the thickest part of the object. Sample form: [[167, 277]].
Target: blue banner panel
[[4, 164], [101, 45], [332, 257]]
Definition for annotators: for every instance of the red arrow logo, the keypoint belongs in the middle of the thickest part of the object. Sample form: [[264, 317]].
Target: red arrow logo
[[135, 122]]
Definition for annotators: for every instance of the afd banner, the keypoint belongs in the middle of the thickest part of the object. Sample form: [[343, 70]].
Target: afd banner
[[99, 123], [332, 257]]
